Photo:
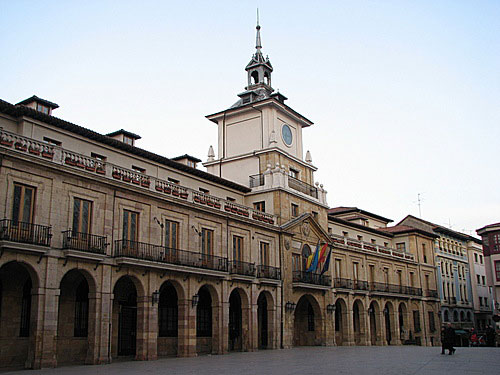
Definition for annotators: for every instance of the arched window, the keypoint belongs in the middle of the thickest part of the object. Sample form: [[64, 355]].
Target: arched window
[[462, 316], [306, 252], [310, 317], [204, 314], [168, 312], [255, 77], [267, 79], [81, 310], [24, 329]]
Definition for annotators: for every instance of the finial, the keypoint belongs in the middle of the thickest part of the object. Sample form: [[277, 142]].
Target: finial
[[258, 43]]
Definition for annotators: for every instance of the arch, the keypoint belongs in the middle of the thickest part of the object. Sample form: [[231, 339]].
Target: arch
[[308, 322], [255, 77], [403, 322], [446, 316], [235, 331], [341, 321], [374, 313], [359, 324], [455, 315], [138, 286], [168, 319], [75, 331], [462, 316], [390, 327], [18, 310], [267, 78], [207, 322], [265, 320], [124, 321]]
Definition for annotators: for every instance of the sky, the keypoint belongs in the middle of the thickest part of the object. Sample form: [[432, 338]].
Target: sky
[[404, 95]]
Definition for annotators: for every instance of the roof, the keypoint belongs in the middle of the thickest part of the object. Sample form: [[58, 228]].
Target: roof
[[438, 228], [35, 98], [403, 229], [343, 210], [486, 228], [19, 111], [359, 226], [124, 132], [186, 156]]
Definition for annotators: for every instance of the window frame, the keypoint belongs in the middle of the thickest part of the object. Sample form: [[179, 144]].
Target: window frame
[[20, 211]]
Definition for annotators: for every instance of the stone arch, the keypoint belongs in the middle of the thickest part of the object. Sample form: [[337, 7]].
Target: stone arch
[[265, 320], [403, 322], [308, 322], [76, 327], [390, 325], [207, 320], [239, 320], [168, 318], [19, 304], [341, 322], [359, 322], [374, 321]]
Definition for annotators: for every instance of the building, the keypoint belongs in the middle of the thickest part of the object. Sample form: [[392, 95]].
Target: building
[[491, 251], [108, 250], [481, 291], [454, 280]]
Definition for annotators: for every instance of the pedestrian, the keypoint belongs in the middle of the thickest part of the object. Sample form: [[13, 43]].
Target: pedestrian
[[448, 339], [490, 336]]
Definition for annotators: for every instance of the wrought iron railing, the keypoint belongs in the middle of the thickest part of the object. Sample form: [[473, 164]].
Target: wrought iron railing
[[242, 268], [84, 242], [303, 187], [369, 247], [431, 293], [268, 272], [350, 284], [146, 251], [18, 231], [256, 180], [311, 278]]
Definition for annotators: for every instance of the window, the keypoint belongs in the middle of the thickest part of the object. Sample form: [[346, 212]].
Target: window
[[296, 263], [260, 206], [315, 215], [81, 310], [427, 283], [475, 257], [386, 244], [168, 312], [293, 173], [230, 199], [52, 141], [486, 301], [138, 169], [306, 252], [424, 252], [480, 301], [128, 140], [372, 273], [191, 164], [338, 268], [345, 234], [386, 275], [480, 259], [360, 238], [204, 191], [172, 180], [401, 246], [207, 241], [42, 108], [237, 248], [497, 269], [478, 279], [98, 156], [416, 321], [171, 234], [373, 241], [400, 277], [295, 210], [24, 203], [355, 272], [24, 329], [412, 279], [204, 315], [82, 212], [264, 253], [483, 279], [130, 225], [432, 323]]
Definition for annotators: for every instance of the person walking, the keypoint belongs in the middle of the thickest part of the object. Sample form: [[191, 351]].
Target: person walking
[[449, 337]]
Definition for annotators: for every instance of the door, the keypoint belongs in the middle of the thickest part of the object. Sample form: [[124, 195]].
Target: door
[[262, 317], [127, 330]]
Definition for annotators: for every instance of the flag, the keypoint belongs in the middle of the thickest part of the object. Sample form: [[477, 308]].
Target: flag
[[322, 254], [327, 262], [314, 262]]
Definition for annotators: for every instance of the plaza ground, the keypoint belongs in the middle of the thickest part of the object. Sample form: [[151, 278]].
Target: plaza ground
[[308, 360]]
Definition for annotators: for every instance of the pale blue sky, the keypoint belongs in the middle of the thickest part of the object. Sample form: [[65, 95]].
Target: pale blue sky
[[405, 95]]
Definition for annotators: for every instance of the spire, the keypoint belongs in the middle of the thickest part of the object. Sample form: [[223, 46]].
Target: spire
[[258, 43]]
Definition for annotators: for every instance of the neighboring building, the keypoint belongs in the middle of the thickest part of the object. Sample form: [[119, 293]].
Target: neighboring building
[[491, 251], [385, 281], [481, 291], [454, 282], [108, 250]]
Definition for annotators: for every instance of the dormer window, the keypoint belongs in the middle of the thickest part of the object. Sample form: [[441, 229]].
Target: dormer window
[[128, 140], [124, 136], [42, 108]]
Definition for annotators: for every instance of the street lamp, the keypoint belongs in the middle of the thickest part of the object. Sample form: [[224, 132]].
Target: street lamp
[[195, 300], [155, 298], [290, 306], [330, 308]]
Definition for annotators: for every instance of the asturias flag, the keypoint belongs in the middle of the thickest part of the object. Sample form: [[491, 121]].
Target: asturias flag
[[327, 263]]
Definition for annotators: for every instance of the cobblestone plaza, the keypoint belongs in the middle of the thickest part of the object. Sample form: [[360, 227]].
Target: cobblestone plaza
[[309, 360]]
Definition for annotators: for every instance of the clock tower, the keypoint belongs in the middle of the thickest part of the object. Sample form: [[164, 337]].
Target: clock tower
[[260, 142]]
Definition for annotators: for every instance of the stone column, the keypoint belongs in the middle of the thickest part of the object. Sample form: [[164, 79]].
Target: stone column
[[186, 341]]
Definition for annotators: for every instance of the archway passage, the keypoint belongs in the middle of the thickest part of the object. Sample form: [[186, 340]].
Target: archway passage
[[307, 322], [125, 317], [168, 317], [341, 320], [263, 321], [372, 312], [235, 322], [204, 322], [388, 325], [17, 311], [73, 319], [358, 320]]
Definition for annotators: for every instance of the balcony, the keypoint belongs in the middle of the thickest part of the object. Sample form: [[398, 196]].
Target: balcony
[[256, 180], [17, 231], [96, 168], [284, 180], [268, 272], [431, 293], [350, 284], [311, 278], [301, 186], [352, 244], [161, 254], [85, 242], [242, 268], [393, 288]]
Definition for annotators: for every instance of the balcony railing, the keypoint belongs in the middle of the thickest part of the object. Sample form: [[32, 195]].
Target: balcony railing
[[431, 293], [86, 242], [311, 278], [146, 251], [98, 168], [18, 231], [393, 288], [256, 180], [369, 247], [301, 186], [242, 268], [350, 284], [268, 272]]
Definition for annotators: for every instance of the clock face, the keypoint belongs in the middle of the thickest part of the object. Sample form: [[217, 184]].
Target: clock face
[[286, 133]]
